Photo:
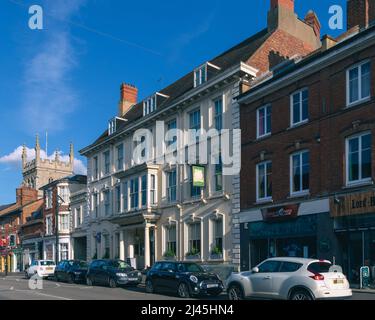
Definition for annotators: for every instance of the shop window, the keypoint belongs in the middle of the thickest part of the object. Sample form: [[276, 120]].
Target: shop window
[[64, 251]]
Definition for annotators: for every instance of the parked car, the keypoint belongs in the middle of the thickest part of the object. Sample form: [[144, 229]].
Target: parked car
[[182, 278], [72, 271], [290, 279], [112, 273], [42, 268]]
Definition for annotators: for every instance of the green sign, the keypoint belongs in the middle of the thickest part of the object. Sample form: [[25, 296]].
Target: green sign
[[198, 177]]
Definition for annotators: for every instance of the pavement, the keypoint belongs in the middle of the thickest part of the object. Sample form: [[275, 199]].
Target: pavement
[[16, 287]]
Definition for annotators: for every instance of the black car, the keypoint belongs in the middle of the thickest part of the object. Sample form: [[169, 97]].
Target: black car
[[72, 271], [112, 273], [184, 278]]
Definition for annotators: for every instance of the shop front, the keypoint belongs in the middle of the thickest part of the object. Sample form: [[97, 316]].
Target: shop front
[[354, 225], [286, 231]]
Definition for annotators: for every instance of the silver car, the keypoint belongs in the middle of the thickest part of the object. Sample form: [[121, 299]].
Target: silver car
[[290, 279]]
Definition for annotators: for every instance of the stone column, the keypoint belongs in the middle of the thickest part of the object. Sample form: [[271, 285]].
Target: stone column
[[147, 246], [122, 246]]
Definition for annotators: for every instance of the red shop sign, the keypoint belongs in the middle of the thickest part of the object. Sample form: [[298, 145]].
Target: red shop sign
[[280, 213]]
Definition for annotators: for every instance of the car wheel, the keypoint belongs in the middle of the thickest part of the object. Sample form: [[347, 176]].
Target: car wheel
[[149, 287], [235, 293], [89, 282], [183, 291], [57, 278], [71, 278], [112, 283], [300, 295]]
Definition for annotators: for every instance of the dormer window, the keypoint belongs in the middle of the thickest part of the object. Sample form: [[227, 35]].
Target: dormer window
[[112, 126], [200, 75], [151, 104], [204, 72]]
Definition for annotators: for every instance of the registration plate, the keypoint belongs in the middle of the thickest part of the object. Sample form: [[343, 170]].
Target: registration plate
[[133, 279], [49, 269], [338, 281], [212, 286]]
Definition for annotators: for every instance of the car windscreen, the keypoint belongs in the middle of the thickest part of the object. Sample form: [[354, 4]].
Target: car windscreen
[[80, 264], [47, 263], [319, 267], [120, 265], [189, 267]]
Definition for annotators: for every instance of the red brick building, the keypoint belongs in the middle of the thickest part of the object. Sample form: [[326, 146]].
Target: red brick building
[[308, 152], [12, 217]]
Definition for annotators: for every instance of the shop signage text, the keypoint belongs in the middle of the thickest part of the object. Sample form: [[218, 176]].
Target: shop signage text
[[353, 204], [278, 213]]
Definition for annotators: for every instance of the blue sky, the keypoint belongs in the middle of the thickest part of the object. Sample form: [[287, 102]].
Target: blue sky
[[65, 79]]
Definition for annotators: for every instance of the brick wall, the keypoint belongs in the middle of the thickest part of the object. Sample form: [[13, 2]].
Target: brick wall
[[329, 120]]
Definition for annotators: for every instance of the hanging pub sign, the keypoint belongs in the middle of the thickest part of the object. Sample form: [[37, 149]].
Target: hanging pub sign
[[198, 176], [353, 204], [280, 213]]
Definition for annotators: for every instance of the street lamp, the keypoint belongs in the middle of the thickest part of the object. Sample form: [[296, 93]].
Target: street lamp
[[59, 201]]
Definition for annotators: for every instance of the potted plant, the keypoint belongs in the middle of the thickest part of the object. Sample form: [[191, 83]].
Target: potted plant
[[170, 255], [194, 253], [216, 253]]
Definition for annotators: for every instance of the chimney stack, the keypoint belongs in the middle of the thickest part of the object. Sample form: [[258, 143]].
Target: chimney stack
[[288, 4], [128, 98], [312, 20], [360, 13]]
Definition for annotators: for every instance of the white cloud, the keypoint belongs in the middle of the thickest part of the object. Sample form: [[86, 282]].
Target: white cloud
[[48, 95], [14, 159]]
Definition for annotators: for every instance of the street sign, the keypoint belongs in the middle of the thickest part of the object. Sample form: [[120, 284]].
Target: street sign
[[365, 277]]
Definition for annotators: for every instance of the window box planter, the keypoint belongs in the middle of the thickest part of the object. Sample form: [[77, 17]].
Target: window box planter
[[193, 256], [216, 256]]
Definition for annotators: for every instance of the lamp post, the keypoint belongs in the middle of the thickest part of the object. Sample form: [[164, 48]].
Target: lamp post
[[59, 201]]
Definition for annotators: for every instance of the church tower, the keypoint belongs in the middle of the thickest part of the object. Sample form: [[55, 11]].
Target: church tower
[[39, 172]]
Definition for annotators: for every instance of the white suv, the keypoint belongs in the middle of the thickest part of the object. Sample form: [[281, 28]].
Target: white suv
[[42, 268], [290, 279]]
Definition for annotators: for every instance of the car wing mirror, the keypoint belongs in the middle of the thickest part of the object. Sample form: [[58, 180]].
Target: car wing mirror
[[255, 270]]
